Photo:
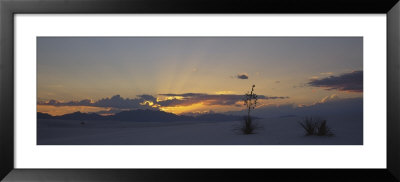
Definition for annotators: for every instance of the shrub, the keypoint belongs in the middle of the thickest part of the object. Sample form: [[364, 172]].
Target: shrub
[[316, 127], [309, 126], [323, 129]]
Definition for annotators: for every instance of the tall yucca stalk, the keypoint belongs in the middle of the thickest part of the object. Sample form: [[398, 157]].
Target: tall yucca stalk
[[250, 101]]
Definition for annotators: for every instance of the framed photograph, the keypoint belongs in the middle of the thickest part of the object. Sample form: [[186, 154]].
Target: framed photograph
[[125, 91]]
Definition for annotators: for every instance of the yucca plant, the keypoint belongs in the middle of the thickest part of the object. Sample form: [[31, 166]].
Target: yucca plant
[[309, 126], [323, 129], [250, 101], [316, 127]]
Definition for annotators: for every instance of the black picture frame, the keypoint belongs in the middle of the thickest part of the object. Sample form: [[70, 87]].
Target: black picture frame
[[8, 8]]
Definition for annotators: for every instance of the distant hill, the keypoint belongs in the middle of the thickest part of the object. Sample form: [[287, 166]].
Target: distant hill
[[80, 116], [145, 116], [44, 116], [142, 116]]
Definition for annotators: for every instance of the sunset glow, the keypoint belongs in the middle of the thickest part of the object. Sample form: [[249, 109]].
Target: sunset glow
[[193, 75], [200, 91], [61, 110]]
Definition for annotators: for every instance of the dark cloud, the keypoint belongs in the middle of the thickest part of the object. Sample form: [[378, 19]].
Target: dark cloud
[[115, 101], [206, 99], [242, 76], [118, 103], [352, 82], [147, 97]]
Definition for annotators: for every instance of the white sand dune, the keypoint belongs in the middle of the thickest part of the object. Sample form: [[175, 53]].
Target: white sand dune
[[273, 131]]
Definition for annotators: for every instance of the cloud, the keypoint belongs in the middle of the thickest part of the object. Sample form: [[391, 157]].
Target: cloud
[[329, 98], [242, 76], [207, 99], [351, 82], [326, 73], [147, 97], [224, 92], [115, 101]]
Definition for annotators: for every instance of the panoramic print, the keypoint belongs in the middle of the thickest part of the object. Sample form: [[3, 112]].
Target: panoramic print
[[199, 91]]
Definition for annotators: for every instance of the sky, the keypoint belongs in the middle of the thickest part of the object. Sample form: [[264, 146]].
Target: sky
[[182, 75]]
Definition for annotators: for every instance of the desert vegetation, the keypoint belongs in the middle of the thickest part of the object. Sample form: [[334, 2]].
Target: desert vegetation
[[315, 126], [250, 101]]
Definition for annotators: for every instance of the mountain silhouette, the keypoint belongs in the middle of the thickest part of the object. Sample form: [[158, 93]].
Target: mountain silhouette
[[142, 116], [44, 116], [80, 116], [145, 116]]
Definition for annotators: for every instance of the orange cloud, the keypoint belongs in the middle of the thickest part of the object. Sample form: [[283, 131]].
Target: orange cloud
[[61, 110], [174, 103]]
